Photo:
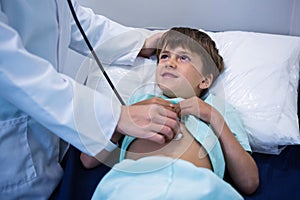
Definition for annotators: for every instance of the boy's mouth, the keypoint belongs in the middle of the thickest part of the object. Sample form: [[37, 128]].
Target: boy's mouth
[[168, 75]]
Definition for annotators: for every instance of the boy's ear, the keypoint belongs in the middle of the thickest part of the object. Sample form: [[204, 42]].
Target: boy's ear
[[206, 82]]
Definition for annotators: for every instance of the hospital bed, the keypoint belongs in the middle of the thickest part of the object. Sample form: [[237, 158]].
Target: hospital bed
[[261, 80]]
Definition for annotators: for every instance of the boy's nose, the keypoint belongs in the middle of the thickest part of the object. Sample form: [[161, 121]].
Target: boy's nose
[[171, 63]]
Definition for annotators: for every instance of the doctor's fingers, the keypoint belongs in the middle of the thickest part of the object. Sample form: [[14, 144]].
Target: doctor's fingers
[[162, 125], [150, 44], [165, 116], [156, 137], [142, 117], [157, 133], [158, 101], [167, 127]]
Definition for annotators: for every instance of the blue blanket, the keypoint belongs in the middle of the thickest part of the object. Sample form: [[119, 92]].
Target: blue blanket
[[160, 177]]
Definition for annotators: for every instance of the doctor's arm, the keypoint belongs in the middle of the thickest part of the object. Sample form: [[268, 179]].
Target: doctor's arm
[[29, 82], [156, 105], [113, 43]]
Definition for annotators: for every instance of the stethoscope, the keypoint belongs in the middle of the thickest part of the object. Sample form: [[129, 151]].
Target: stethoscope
[[94, 53], [179, 136]]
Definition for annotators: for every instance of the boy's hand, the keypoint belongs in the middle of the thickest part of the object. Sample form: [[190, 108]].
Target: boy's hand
[[197, 107]]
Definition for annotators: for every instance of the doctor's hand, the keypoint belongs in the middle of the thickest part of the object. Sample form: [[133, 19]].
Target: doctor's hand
[[151, 121], [159, 101], [150, 45]]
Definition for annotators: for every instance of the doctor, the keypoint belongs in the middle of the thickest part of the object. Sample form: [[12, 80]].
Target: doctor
[[39, 105]]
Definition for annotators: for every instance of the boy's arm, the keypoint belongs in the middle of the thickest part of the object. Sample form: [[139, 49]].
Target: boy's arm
[[107, 157], [241, 166], [89, 161]]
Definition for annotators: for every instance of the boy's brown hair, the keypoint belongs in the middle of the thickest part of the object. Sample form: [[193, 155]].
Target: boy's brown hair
[[194, 40]]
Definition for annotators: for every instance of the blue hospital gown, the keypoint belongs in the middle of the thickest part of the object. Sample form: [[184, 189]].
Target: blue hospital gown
[[159, 177]]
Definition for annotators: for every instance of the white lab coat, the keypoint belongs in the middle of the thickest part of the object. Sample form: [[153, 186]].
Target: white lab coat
[[38, 104]]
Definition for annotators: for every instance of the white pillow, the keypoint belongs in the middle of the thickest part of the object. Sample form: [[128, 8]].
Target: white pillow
[[126, 79], [260, 79]]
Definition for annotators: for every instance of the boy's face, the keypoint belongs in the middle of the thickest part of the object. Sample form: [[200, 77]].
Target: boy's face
[[178, 72]]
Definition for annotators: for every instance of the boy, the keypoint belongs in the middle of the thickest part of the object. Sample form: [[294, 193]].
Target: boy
[[188, 64]]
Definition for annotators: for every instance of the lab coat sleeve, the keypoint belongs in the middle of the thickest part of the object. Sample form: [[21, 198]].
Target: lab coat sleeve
[[72, 111], [113, 42]]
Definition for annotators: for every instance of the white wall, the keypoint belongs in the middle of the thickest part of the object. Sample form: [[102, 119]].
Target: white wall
[[295, 19], [271, 16]]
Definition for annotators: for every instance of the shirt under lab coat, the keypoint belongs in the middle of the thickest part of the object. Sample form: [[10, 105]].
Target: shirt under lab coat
[[37, 104]]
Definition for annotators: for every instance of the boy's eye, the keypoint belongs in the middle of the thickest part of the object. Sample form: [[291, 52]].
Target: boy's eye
[[185, 58], [163, 56]]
